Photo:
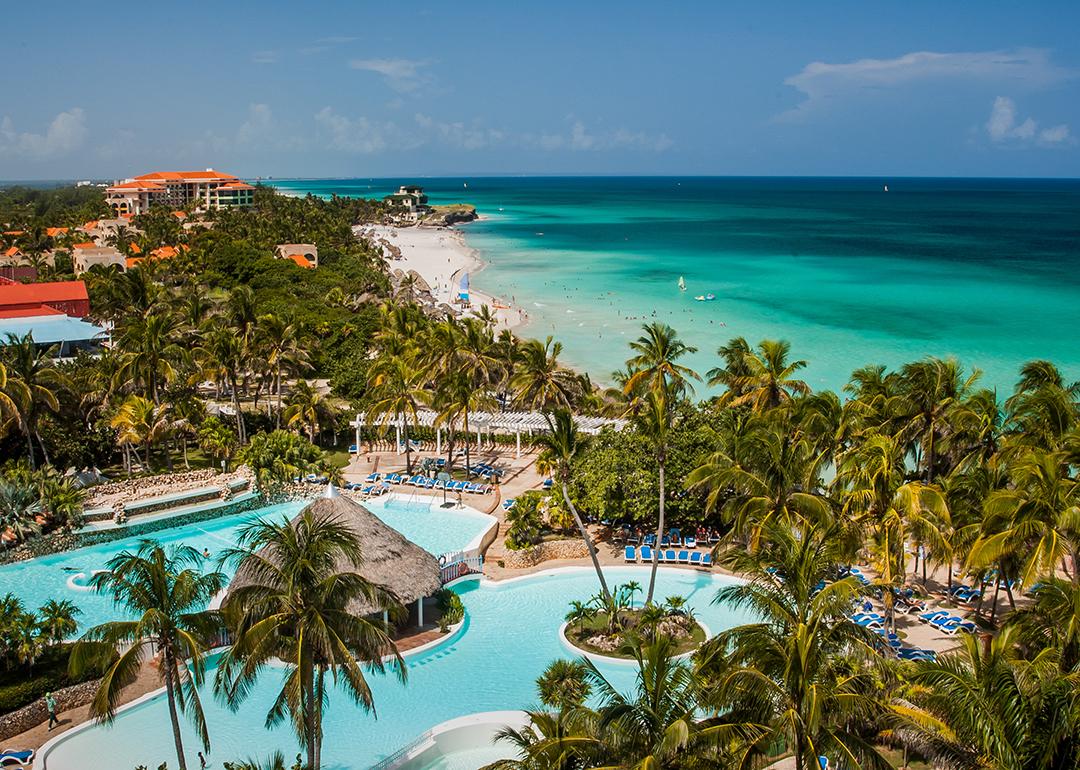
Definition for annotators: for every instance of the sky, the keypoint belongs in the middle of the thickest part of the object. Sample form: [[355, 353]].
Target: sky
[[363, 89]]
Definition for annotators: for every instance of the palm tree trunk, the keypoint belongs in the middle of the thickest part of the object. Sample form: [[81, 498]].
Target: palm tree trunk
[[29, 443], [588, 541], [408, 446], [167, 664], [239, 416], [467, 463], [277, 422], [659, 537]]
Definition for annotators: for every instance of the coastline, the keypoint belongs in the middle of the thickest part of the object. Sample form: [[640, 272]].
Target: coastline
[[440, 255]]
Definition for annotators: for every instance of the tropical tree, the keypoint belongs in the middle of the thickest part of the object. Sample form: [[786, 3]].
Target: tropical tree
[[280, 456], [221, 358], [800, 671], [307, 407], [564, 684], [286, 350], [139, 421], [562, 446], [32, 384], [151, 349], [300, 578], [20, 507], [167, 594], [398, 393], [539, 382], [654, 365], [56, 619]]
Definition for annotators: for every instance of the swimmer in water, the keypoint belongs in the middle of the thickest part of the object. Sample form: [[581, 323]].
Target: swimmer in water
[[206, 553]]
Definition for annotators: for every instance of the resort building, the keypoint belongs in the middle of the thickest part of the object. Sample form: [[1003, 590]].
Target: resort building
[[303, 254], [86, 255], [14, 266], [177, 189], [58, 297], [408, 203]]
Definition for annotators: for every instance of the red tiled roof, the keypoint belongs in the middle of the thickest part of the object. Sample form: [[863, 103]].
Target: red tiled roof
[[300, 260], [28, 312], [85, 245], [138, 186], [56, 291], [180, 214], [91, 225], [167, 252], [184, 176], [14, 232], [11, 252], [52, 232], [134, 248], [236, 186]]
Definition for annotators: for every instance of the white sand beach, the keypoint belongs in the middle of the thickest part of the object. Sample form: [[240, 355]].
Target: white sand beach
[[441, 256]]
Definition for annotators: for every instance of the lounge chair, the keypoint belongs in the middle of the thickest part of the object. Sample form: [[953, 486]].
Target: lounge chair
[[871, 623], [964, 625], [665, 541], [372, 478], [548, 484], [646, 553], [630, 554], [684, 557], [691, 542], [9, 758], [669, 556], [393, 478], [945, 620], [706, 560], [823, 762], [926, 617], [695, 559], [915, 653], [508, 504]]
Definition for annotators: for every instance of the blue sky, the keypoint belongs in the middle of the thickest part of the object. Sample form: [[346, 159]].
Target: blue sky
[[374, 89]]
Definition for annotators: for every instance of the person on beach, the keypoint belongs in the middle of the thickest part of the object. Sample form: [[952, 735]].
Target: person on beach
[[50, 706], [202, 761]]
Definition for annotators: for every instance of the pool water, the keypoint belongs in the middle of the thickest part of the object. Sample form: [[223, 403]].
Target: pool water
[[510, 636], [57, 576]]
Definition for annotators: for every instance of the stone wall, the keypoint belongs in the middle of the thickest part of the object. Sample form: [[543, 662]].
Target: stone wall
[[31, 716], [160, 484], [554, 549]]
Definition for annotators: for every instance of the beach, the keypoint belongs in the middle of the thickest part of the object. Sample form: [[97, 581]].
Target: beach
[[441, 257]]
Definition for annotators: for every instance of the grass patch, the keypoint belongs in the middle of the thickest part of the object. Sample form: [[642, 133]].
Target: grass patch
[[20, 687], [629, 620]]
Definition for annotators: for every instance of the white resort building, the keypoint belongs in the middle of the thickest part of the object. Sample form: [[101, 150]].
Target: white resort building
[[178, 189], [409, 203]]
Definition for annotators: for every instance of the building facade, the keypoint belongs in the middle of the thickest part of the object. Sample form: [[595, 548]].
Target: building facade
[[179, 189]]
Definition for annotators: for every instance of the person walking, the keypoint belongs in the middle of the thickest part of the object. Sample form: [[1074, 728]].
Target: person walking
[[50, 705], [202, 761]]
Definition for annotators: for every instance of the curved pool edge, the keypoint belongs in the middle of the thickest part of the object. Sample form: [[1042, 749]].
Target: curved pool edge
[[596, 657], [454, 735]]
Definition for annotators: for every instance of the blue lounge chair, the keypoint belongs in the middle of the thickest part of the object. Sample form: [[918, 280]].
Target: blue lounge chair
[[508, 504], [690, 542], [548, 484], [695, 559], [940, 622], [665, 541], [646, 553], [393, 478], [353, 449], [706, 560], [630, 554], [10, 758], [964, 625], [650, 539], [928, 617], [824, 762], [372, 478], [870, 623], [684, 557], [661, 556], [669, 556]]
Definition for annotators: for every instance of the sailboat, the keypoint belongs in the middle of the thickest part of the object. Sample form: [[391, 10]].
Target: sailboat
[[886, 188], [682, 284]]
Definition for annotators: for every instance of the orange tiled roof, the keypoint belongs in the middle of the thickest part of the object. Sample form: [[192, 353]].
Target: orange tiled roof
[[52, 232], [167, 252], [11, 252], [132, 261], [300, 260], [54, 291], [137, 186], [134, 248], [91, 225], [85, 245], [14, 232], [236, 186], [184, 176], [179, 214]]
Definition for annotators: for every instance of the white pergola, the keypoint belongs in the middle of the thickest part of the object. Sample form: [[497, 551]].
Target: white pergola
[[489, 423]]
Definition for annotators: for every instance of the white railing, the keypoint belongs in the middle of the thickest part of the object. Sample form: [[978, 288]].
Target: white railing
[[458, 564]]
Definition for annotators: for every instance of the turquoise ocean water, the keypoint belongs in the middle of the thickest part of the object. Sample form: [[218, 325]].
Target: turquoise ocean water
[[984, 270]]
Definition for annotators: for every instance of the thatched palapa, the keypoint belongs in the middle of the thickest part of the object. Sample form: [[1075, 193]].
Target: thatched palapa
[[388, 559]]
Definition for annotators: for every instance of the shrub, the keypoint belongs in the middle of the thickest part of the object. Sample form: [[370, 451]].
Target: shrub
[[453, 611]]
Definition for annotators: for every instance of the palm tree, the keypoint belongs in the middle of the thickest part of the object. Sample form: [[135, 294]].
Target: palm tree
[[563, 446], [769, 380], [221, 357], [151, 349], [655, 363], [798, 670], [563, 684], [20, 506], [1036, 518], [398, 391], [987, 707], [167, 594], [294, 610], [285, 349], [140, 421], [1051, 621], [539, 382], [57, 620], [580, 613], [32, 383], [932, 392], [655, 422], [307, 407]]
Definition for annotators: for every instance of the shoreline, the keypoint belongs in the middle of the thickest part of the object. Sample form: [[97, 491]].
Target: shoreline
[[440, 255]]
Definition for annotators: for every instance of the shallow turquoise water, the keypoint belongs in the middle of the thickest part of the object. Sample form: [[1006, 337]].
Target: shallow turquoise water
[[38, 580], [510, 637], [986, 270]]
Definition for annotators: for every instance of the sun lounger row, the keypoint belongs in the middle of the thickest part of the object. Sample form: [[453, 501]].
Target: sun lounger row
[[668, 556], [485, 471], [12, 758], [424, 482], [374, 490], [945, 621]]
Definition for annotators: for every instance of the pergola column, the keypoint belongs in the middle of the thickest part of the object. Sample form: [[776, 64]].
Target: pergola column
[[517, 435], [397, 434], [438, 441], [420, 612], [357, 433]]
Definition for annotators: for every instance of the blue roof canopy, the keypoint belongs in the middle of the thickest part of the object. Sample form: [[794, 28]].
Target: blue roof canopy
[[47, 329]]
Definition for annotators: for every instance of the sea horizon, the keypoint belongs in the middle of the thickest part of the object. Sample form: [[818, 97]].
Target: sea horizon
[[978, 269]]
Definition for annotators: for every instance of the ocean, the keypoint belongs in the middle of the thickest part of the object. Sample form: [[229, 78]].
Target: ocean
[[850, 274]]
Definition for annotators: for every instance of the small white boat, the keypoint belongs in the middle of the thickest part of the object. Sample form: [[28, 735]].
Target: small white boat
[[705, 297], [682, 284], [886, 188]]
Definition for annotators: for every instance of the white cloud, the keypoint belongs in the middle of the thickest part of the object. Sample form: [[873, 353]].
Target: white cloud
[[581, 138], [360, 135], [820, 82], [464, 136], [65, 133], [403, 75], [1004, 127]]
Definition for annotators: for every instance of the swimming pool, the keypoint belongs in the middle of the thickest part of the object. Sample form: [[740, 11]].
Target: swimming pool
[[64, 575], [510, 635]]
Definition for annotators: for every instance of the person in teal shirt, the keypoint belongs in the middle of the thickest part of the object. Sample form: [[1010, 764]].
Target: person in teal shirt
[[50, 705]]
